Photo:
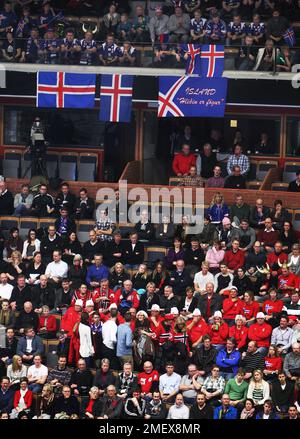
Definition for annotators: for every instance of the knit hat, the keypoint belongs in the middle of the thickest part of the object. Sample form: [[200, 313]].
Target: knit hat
[[218, 314], [196, 312], [143, 313], [155, 307], [79, 302], [89, 303], [260, 315], [226, 221]]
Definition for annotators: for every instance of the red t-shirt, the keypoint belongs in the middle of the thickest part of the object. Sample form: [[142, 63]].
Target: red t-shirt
[[269, 307], [145, 380], [273, 363]]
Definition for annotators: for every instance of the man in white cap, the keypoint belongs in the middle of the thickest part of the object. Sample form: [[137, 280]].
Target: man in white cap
[[197, 328], [90, 307], [72, 317], [155, 318], [261, 333]]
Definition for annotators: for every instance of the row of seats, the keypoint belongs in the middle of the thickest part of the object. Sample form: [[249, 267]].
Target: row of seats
[[66, 165]]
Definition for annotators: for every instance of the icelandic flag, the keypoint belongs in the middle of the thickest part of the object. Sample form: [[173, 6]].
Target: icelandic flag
[[191, 96], [289, 37], [116, 98], [193, 62], [65, 90], [212, 60]]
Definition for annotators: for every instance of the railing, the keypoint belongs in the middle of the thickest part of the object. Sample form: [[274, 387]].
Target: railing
[[162, 56], [132, 172]]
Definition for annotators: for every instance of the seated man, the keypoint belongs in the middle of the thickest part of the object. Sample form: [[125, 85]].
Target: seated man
[[294, 186], [6, 200], [56, 270], [7, 315], [5, 287], [50, 243], [23, 201], [64, 224], [183, 161], [268, 236], [144, 228], [104, 227], [235, 180], [59, 376], [215, 181], [29, 346], [238, 159], [291, 364], [84, 206], [239, 210], [180, 279], [66, 403], [65, 199], [92, 247], [96, 272], [258, 214], [192, 179], [43, 203], [81, 379], [43, 294], [234, 257], [245, 234], [27, 318]]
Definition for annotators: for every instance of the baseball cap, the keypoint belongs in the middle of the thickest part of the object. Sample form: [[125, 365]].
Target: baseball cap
[[218, 314], [196, 312], [260, 315], [79, 302], [155, 307]]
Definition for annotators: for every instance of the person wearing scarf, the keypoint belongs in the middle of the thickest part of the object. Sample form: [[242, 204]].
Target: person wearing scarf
[[22, 399]]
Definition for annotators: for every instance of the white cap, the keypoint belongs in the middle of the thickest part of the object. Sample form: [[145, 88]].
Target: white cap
[[239, 317], [89, 303], [113, 305], [196, 312], [79, 302], [218, 314], [174, 311], [155, 307], [260, 315], [143, 313], [234, 288]]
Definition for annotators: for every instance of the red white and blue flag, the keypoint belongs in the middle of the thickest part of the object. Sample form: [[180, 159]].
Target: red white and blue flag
[[65, 90], [193, 62], [116, 98], [289, 37], [212, 60]]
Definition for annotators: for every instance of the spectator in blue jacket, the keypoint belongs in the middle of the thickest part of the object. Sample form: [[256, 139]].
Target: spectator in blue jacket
[[217, 209], [267, 412], [228, 359], [6, 395], [96, 272], [225, 410], [29, 346], [124, 341]]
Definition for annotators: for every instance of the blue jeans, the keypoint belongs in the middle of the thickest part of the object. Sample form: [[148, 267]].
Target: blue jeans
[[35, 388], [21, 210]]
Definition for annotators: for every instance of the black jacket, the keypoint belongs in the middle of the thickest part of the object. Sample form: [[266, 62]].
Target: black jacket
[[68, 202], [40, 203], [192, 306], [179, 282], [77, 276], [205, 359], [206, 413], [68, 405], [48, 247], [43, 296], [113, 248], [6, 203], [70, 227], [20, 297], [111, 408], [235, 182], [102, 381], [146, 303], [89, 250], [11, 348], [133, 257], [84, 210], [215, 304], [167, 304], [26, 320], [282, 397], [194, 257], [84, 381], [115, 280], [148, 233]]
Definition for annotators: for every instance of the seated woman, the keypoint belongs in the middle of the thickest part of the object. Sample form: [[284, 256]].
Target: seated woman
[[174, 254], [72, 247], [35, 269], [15, 371], [215, 256], [13, 243], [287, 236], [87, 404], [160, 277], [15, 267], [218, 209], [47, 324], [77, 271], [183, 230], [273, 364], [294, 260], [259, 389], [279, 215], [272, 307], [140, 278], [45, 409], [165, 231], [22, 399], [30, 246], [218, 331], [209, 233], [188, 302], [104, 376]]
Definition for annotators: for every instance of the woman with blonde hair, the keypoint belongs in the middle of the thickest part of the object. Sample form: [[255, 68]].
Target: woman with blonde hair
[[117, 276], [259, 389], [141, 278], [45, 408], [218, 209], [15, 371], [16, 266], [160, 276]]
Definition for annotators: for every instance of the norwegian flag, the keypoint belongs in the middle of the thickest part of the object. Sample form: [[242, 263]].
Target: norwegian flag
[[193, 62], [212, 60], [65, 90], [289, 37], [116, 98]]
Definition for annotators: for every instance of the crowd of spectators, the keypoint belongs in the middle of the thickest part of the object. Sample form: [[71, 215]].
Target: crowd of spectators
[[210, 331], [37, 31]]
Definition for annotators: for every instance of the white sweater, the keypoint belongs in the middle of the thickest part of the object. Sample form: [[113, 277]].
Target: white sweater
[[85, 337]]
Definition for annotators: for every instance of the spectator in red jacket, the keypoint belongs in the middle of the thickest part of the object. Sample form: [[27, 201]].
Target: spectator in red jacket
[[126, 297], [261, 333], [273, 364], [268, 236], [272, 307], [47, 324], [197, 328], [22, 399], [232, 307], [148, 380], [287, 282], [183, 161], [218, 331], [234, 258], [275, 258], [71, 317], [240, 332], [250, 308]]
